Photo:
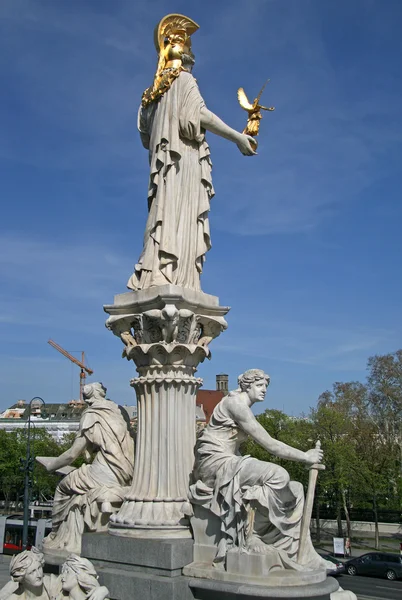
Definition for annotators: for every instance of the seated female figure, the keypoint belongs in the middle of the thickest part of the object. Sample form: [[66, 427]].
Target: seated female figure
[[230, 484]]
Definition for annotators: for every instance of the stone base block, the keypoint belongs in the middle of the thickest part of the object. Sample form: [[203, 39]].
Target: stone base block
[[255, 569], [140, 568], [207, 589], [55, 558]]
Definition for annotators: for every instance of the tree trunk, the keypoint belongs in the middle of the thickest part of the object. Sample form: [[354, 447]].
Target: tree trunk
[[377, 533], [339, 520], [347, 516], [6, 501]]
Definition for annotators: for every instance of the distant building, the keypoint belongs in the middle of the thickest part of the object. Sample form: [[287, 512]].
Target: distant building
[[57, 419], [222, 383], [15, 411], [61, 419], [131, 411], [208, 399]]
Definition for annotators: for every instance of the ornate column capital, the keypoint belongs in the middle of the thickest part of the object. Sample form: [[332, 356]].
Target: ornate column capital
[[166, 325]]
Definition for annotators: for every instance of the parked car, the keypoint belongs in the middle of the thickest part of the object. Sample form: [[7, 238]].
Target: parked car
[[339, 566], [378, 564]]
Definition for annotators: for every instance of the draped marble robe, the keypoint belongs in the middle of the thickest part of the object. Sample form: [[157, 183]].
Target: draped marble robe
[[227, 484], [177, 234], [78, 497]]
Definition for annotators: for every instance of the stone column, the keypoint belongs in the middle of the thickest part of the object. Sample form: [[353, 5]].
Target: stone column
[[166, 331]]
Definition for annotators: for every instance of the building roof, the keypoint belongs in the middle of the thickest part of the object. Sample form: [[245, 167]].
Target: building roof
[[60, 412], [208, 399], [12, 413]]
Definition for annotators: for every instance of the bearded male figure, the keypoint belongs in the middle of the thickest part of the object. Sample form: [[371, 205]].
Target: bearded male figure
[[172, 121]]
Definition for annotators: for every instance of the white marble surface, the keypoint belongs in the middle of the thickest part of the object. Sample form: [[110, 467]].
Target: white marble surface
[[260, 509], [177, 232], [87, 496], [166, 332], [78, 579]]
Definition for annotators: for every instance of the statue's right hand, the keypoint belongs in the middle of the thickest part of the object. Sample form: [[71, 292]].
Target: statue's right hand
[[46, 461], [314, 456], [246, 144]]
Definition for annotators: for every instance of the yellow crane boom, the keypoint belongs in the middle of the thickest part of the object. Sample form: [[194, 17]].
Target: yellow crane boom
[[80, 363]]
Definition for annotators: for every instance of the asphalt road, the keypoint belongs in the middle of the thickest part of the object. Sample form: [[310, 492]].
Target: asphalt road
[[371, 588], [4, 567]]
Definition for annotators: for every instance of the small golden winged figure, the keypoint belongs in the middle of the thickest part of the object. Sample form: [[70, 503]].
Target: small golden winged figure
[[254, 110]]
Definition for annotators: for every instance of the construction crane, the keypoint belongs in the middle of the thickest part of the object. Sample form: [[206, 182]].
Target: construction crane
[[79, 363]]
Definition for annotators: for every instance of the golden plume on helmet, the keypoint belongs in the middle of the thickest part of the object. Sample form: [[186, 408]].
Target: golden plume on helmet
[[172, 38]]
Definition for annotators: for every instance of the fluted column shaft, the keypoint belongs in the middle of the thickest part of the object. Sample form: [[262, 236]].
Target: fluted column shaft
[[166, 332], [157, 502]]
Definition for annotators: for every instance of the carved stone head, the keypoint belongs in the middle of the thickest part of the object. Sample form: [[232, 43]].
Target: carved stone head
[[254, 382], [26, 568], [94, 391], [78, 572]]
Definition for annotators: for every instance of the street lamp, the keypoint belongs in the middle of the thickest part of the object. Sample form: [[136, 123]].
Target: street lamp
[[28, 468]]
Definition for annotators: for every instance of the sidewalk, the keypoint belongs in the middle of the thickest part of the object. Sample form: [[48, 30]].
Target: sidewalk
[[4, 569], [364, 546]]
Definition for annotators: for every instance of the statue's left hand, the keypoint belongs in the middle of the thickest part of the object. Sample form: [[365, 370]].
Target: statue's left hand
[[314, 456], [99, 593]]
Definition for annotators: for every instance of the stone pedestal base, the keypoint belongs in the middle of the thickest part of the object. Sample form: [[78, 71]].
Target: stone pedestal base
[[154, 570], [207, 589], [140, 568], [258, 569]]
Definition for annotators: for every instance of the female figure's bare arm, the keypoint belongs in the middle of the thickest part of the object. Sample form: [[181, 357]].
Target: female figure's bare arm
[[245, 419], [211, 122], [53, 463]]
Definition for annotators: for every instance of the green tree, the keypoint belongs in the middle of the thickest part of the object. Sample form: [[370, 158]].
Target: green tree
[[360, 427], [295, 432], [11, 475], [385, 404], [332, 423], [42, 444], [375, 465], [13, 447]]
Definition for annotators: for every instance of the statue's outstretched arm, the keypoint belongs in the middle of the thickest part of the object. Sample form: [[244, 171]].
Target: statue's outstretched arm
[[52, 463], [245, 419], [211, 122]]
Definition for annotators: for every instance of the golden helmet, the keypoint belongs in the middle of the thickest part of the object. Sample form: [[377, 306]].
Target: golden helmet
[[172, 38]]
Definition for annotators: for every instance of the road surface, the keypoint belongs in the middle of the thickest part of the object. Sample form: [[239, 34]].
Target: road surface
[[372, 588]]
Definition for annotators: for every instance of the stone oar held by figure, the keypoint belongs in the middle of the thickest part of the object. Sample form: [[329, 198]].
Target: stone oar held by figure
[[308, 506]]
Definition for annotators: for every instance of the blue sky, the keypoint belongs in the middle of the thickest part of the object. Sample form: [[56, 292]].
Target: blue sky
[[306, 236]]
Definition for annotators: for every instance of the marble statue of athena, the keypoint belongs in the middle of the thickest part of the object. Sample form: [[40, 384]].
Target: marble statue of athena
[[172, 121]]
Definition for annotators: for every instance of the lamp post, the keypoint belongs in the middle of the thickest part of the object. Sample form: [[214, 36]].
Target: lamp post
[[28, 468]]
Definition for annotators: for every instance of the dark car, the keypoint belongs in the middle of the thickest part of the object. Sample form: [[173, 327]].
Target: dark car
[[339, 566], [377, 564]]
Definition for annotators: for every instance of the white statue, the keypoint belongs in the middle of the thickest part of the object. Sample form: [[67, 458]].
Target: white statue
[[87, 496], [259, 508], [172, 121], [78, 579]]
